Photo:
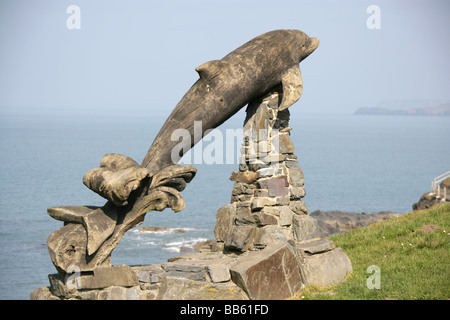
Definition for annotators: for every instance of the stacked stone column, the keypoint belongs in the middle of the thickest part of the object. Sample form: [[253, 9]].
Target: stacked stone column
[[266, 198]]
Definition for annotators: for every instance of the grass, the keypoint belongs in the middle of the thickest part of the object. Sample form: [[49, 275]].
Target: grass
[[413, 264]]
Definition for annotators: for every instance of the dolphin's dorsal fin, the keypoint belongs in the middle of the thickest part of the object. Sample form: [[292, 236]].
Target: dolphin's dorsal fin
[[210, 69], [292, 84]]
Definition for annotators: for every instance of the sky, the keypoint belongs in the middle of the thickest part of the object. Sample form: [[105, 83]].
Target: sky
[[136, 58]]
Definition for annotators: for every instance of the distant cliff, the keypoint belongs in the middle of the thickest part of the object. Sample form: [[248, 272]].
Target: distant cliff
[[441, 110]]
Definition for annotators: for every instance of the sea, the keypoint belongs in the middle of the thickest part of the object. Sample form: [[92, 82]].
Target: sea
[[357, 163]]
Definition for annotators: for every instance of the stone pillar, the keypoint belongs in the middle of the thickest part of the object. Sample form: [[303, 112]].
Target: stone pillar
[[266, 198]]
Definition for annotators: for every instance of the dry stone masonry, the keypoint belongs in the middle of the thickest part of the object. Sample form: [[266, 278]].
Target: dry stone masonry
[[266, 198]]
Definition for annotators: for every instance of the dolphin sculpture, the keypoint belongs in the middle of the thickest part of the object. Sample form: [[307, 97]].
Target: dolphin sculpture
[[90, 234], [227, 85]]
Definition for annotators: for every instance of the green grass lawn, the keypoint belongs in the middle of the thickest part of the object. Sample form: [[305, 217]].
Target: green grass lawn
[[413, 264]]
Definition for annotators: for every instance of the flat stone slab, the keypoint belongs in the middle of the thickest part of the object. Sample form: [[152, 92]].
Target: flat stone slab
[[186, 289], [315, 246], [103, 277], [271, 273]]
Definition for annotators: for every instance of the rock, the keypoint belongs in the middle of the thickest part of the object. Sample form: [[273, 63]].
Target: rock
[[218, 273], [185, 289], [42, 293], [271, 273], [304, 227], [240, 237], [310, 247], [246, 176], [160, 229], [325, 269], [116, 178], [285, 143], [208, 245], [298, 207], [261, 202], [333, 222], [296, 193], [121, 275], [296, 178], [73, 214], [429, 228], [67, 247], [244, 216], [241, 188], [263, 219], [119, 293], [187, 269], [150, 274], [224, 221], [277, 187], [429, 199], [285, 216]]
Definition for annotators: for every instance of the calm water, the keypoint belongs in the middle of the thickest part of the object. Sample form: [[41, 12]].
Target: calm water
[[350, 163]]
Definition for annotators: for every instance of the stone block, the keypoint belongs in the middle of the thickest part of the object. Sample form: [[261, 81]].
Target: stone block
[[42, 293], [305, 227], [271, 273], [119, 293], [296, 178], [311, 247], [261, 202], [277, 187], [240, 237], [185, 289], [103, 277], [285, 143], [277, 233], [244, 216], [271, 210], [218, 273], [298, 207], [285, 216], [241, 188], [261, 239], [186, 270], [325, 269], [263, 219], [224, 220], [261, 193], [296, 193]]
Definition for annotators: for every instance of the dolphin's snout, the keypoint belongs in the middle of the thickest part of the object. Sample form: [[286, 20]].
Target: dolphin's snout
[[313, 44]]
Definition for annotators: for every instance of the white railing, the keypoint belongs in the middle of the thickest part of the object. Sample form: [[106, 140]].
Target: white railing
[[435, 184]]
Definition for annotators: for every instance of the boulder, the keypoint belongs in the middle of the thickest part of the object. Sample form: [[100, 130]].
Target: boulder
[[304, 227], [271, 273], [324, 268]]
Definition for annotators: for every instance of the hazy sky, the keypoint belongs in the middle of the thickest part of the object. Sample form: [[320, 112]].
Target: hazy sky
[[139, 56]]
